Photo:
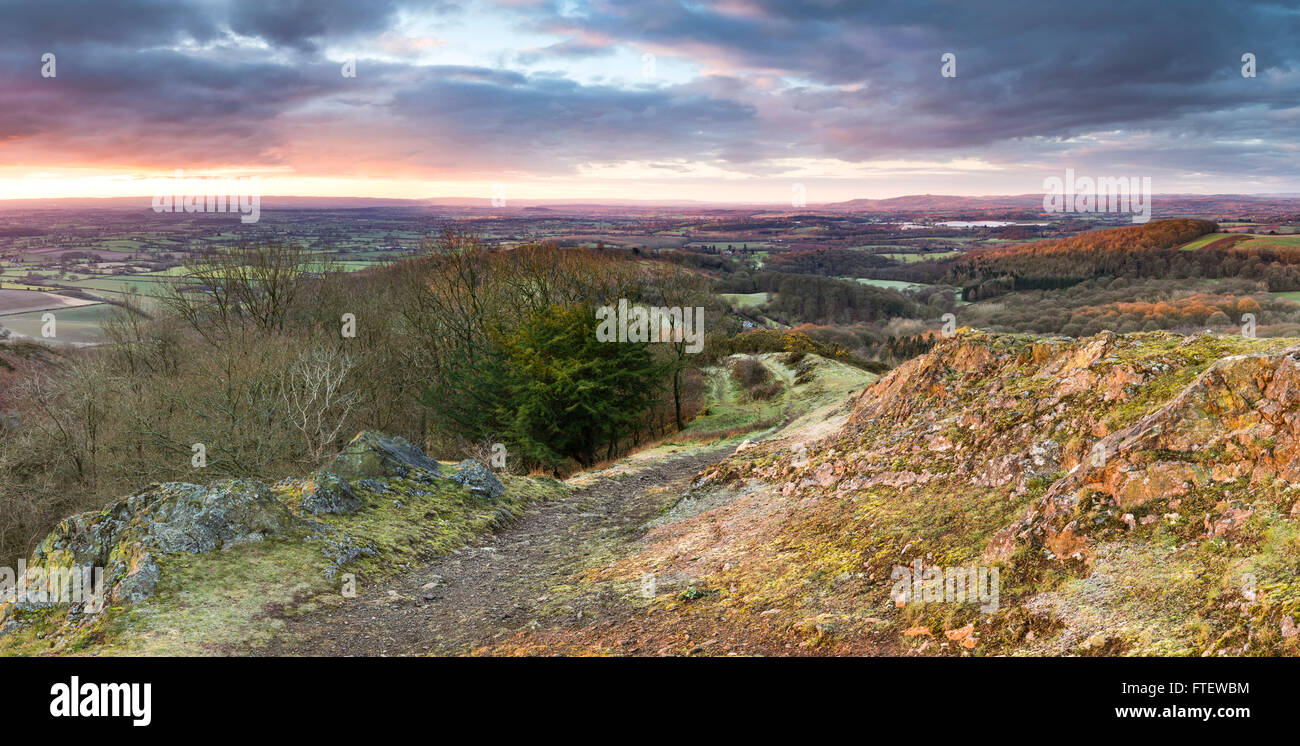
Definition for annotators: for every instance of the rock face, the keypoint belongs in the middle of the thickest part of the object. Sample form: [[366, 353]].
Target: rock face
[[1237, 420], [374, 485], [1089, 438], [126, 538], [374, 454], [174, 517], [327, 492], [480, 480]]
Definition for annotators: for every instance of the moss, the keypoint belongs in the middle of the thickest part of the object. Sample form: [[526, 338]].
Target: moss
[[236, 599]]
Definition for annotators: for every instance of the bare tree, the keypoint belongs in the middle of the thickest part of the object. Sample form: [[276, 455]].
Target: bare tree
[[316, 398], [674, 286], [252, 285]]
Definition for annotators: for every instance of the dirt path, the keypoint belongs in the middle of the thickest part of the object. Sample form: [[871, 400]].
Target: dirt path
[[517, 578]]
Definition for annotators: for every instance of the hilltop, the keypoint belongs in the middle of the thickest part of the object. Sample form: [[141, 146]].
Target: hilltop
[[348, 559], [1137, 494]]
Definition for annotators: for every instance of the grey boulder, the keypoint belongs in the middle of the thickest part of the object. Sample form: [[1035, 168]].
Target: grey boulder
[[479, 479], [374, 454], [173, 517], [327, 492]]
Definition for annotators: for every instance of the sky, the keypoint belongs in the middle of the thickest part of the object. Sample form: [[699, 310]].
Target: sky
[[730, 101]]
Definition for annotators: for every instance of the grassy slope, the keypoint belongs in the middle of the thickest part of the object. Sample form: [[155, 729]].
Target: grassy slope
[[1208, 238], [729, 409], [745, 300], [798, 543]]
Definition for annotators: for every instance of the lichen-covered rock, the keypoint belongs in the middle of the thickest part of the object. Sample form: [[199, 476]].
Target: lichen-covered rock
[[340, 548], [173, 517], [1236, 420], [374, 485], [1043, 459], [327, 492], [374, 454], [140, 582], [480, 480]]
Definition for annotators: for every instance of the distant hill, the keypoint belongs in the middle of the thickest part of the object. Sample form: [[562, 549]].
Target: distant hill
[[937, 202], [1172, 205], [268, 202], [1149, 250]]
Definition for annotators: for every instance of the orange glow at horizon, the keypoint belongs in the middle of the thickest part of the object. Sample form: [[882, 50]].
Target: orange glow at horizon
[[826, 182], [55, 185]]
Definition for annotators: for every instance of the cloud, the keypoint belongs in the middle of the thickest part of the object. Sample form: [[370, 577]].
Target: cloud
[[850, 88], [304, 24], [567, 49]]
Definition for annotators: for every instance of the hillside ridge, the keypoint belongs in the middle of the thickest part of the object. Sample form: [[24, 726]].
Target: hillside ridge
[[1180, 539]]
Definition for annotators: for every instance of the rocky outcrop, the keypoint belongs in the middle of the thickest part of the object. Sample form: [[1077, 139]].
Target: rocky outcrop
[[374, 454], [327, 492], [125, 537], [479, 479], [1098, 437], [1238, 420]]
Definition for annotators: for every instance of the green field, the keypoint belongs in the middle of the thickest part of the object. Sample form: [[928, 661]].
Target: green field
[[355, 265], [913, 258], [745, 300], [1259, 241], [1206, 239], [119, 284], [878, 247], [1252, 241], [891, 284], [80, 325]]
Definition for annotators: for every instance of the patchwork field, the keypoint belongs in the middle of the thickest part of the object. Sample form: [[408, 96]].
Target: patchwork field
[[21, 301], [1245, 241], [76, 325]]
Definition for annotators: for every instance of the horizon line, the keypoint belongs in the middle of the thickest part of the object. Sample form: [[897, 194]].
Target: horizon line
[[474, 201]]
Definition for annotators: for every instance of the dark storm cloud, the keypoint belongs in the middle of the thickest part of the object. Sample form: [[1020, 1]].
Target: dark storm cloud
[[850, 80], [863, 77], [128, 23], [133, 24], [1024, 68], [517, 119], [301, 24], [161, 104]]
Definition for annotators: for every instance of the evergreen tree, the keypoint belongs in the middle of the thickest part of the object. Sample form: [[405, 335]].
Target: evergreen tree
[[569, 394]]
